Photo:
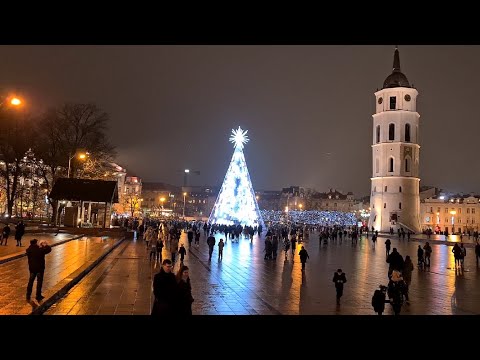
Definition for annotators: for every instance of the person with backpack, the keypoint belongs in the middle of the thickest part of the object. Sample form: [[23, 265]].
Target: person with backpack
[[378, 299]]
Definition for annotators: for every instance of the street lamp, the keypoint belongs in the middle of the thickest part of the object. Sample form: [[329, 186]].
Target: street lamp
[[12, 100], [184, 195], [300, 205], [81, 156], [453, 212], [162, 199]]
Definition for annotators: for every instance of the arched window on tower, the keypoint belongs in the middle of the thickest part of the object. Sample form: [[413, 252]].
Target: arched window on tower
[[377, 164], [378, 134], [407, 165], [391, 132], [399, 189], [407, 132], [390, 164]]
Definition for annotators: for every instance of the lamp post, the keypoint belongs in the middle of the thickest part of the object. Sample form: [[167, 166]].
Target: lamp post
[[184, 196], [162, 200], [453, 212], [81, 156]]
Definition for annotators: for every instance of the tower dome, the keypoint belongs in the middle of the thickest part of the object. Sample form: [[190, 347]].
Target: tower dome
[[396, 78]]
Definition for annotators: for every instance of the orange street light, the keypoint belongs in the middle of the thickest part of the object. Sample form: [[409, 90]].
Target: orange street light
[[15, 101], [81, 156]]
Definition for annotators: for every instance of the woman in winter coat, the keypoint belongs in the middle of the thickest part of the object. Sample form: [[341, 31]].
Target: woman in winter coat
[[184, 296]]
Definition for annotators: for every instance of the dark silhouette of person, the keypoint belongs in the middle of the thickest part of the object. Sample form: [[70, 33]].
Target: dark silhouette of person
[[378, 299], [36, 264], [5, 234], [182, 252], [211, 244], [387, 246], [19, 232], [303, 257], [339, 279], [477, 251], [184, 296], [165, 290]]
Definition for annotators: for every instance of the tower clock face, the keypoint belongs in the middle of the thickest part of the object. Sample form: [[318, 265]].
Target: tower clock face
[[380, 100], [407, 97]]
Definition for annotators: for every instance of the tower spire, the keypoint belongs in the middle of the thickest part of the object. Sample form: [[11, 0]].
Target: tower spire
[[396, 60]]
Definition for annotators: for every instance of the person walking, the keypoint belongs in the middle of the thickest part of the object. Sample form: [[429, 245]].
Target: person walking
[[428, 252], [165, 290], [407, 275], [211, 244], [36, 265], [339, 279], [457, 254], [159, 250], [221, 244], [19, 232], [303, 257], [182, 251], [378, 299], [184, 295], [388, 243], [420, 257], [5, 234]]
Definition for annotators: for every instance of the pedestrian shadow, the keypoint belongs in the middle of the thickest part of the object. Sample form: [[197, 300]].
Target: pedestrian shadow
[[33, 304]]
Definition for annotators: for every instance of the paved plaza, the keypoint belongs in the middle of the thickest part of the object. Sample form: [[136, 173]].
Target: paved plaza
[[62, 264], [244, 283]]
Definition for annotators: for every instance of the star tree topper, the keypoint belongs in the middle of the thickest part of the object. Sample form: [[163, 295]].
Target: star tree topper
[[239, 137]]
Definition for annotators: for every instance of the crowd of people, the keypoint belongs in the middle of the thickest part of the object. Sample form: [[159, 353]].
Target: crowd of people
[[310, 217]]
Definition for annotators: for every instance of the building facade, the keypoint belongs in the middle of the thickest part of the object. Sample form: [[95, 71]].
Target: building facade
[[453, 214], [332, 200], [395, 181]]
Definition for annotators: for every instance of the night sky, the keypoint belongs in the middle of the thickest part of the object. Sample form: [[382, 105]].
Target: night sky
[[308, 109]]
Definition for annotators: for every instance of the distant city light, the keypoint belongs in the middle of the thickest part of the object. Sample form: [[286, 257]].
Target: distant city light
[[442, 197], [187, 170]]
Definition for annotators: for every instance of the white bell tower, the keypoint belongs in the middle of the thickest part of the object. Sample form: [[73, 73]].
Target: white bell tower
[[395, 199]]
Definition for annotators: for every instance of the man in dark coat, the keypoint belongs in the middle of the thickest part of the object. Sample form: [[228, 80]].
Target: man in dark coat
[[36, 265], [165, 290], [211, 244], [303, 257], [19, 232], [339, 279], [5, 234]]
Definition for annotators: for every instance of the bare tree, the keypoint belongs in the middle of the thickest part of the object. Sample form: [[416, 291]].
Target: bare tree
[[65, 130], [16, 137]]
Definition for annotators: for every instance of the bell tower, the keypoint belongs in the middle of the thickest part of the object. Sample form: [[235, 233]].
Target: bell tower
[[394, 197]]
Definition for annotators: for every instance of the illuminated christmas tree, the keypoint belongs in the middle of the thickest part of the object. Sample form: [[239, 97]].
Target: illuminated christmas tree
[[236, 202]]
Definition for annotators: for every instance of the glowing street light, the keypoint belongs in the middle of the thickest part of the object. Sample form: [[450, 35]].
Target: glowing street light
[[81, 156], [162, 200], [300, 205], [15, 101]]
